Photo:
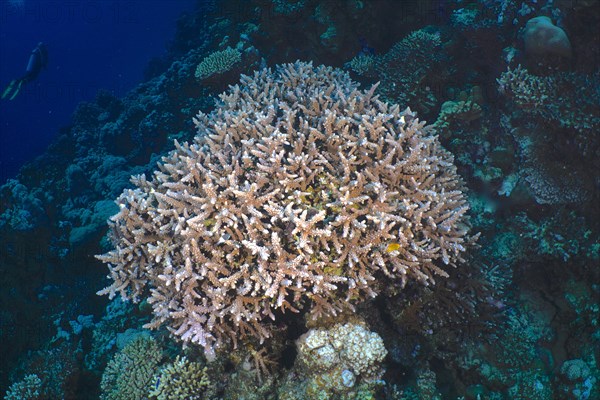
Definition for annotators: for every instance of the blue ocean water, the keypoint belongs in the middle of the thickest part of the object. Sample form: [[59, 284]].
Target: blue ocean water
[[92, 45]]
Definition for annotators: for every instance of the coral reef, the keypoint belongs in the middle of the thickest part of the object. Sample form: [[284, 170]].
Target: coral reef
[[549, 181], [428, 318], [295, 157], [57, 367], [221, 68], [22, 209], [298, 188], [49, 215]]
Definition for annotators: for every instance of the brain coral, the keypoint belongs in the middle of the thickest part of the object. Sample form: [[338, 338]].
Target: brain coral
[[300, 191]]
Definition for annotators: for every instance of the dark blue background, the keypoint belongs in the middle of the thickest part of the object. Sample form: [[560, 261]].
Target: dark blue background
[[92, 45]]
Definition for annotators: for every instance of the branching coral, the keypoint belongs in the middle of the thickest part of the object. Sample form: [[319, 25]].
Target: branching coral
[[27, 389], [218, 63], [408, 71], [182, 379], [363, 64], [559, 148], [569, 100], [411, 68], [299, 191], [129, 374]]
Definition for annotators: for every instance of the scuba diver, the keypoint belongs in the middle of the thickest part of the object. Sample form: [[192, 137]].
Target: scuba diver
[[37, 61]]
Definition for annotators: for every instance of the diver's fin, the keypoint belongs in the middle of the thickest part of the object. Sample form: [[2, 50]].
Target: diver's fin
[[17, 90], [8, 88]]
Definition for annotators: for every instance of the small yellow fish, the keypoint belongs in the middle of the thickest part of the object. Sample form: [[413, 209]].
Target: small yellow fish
[[392, 247], [209, 222]]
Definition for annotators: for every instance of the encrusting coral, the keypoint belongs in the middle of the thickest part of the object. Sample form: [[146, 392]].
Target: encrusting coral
[[337, 362], [349, 346], [300, 191]]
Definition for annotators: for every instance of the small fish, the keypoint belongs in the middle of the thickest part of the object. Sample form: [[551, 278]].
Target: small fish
[[392, 247]]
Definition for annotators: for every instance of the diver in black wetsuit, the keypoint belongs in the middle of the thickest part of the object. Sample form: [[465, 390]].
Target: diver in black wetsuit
[[37, 61]]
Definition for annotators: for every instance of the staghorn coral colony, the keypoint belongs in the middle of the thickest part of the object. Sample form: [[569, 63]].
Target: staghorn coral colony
[[299, 191], [130, 372]]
